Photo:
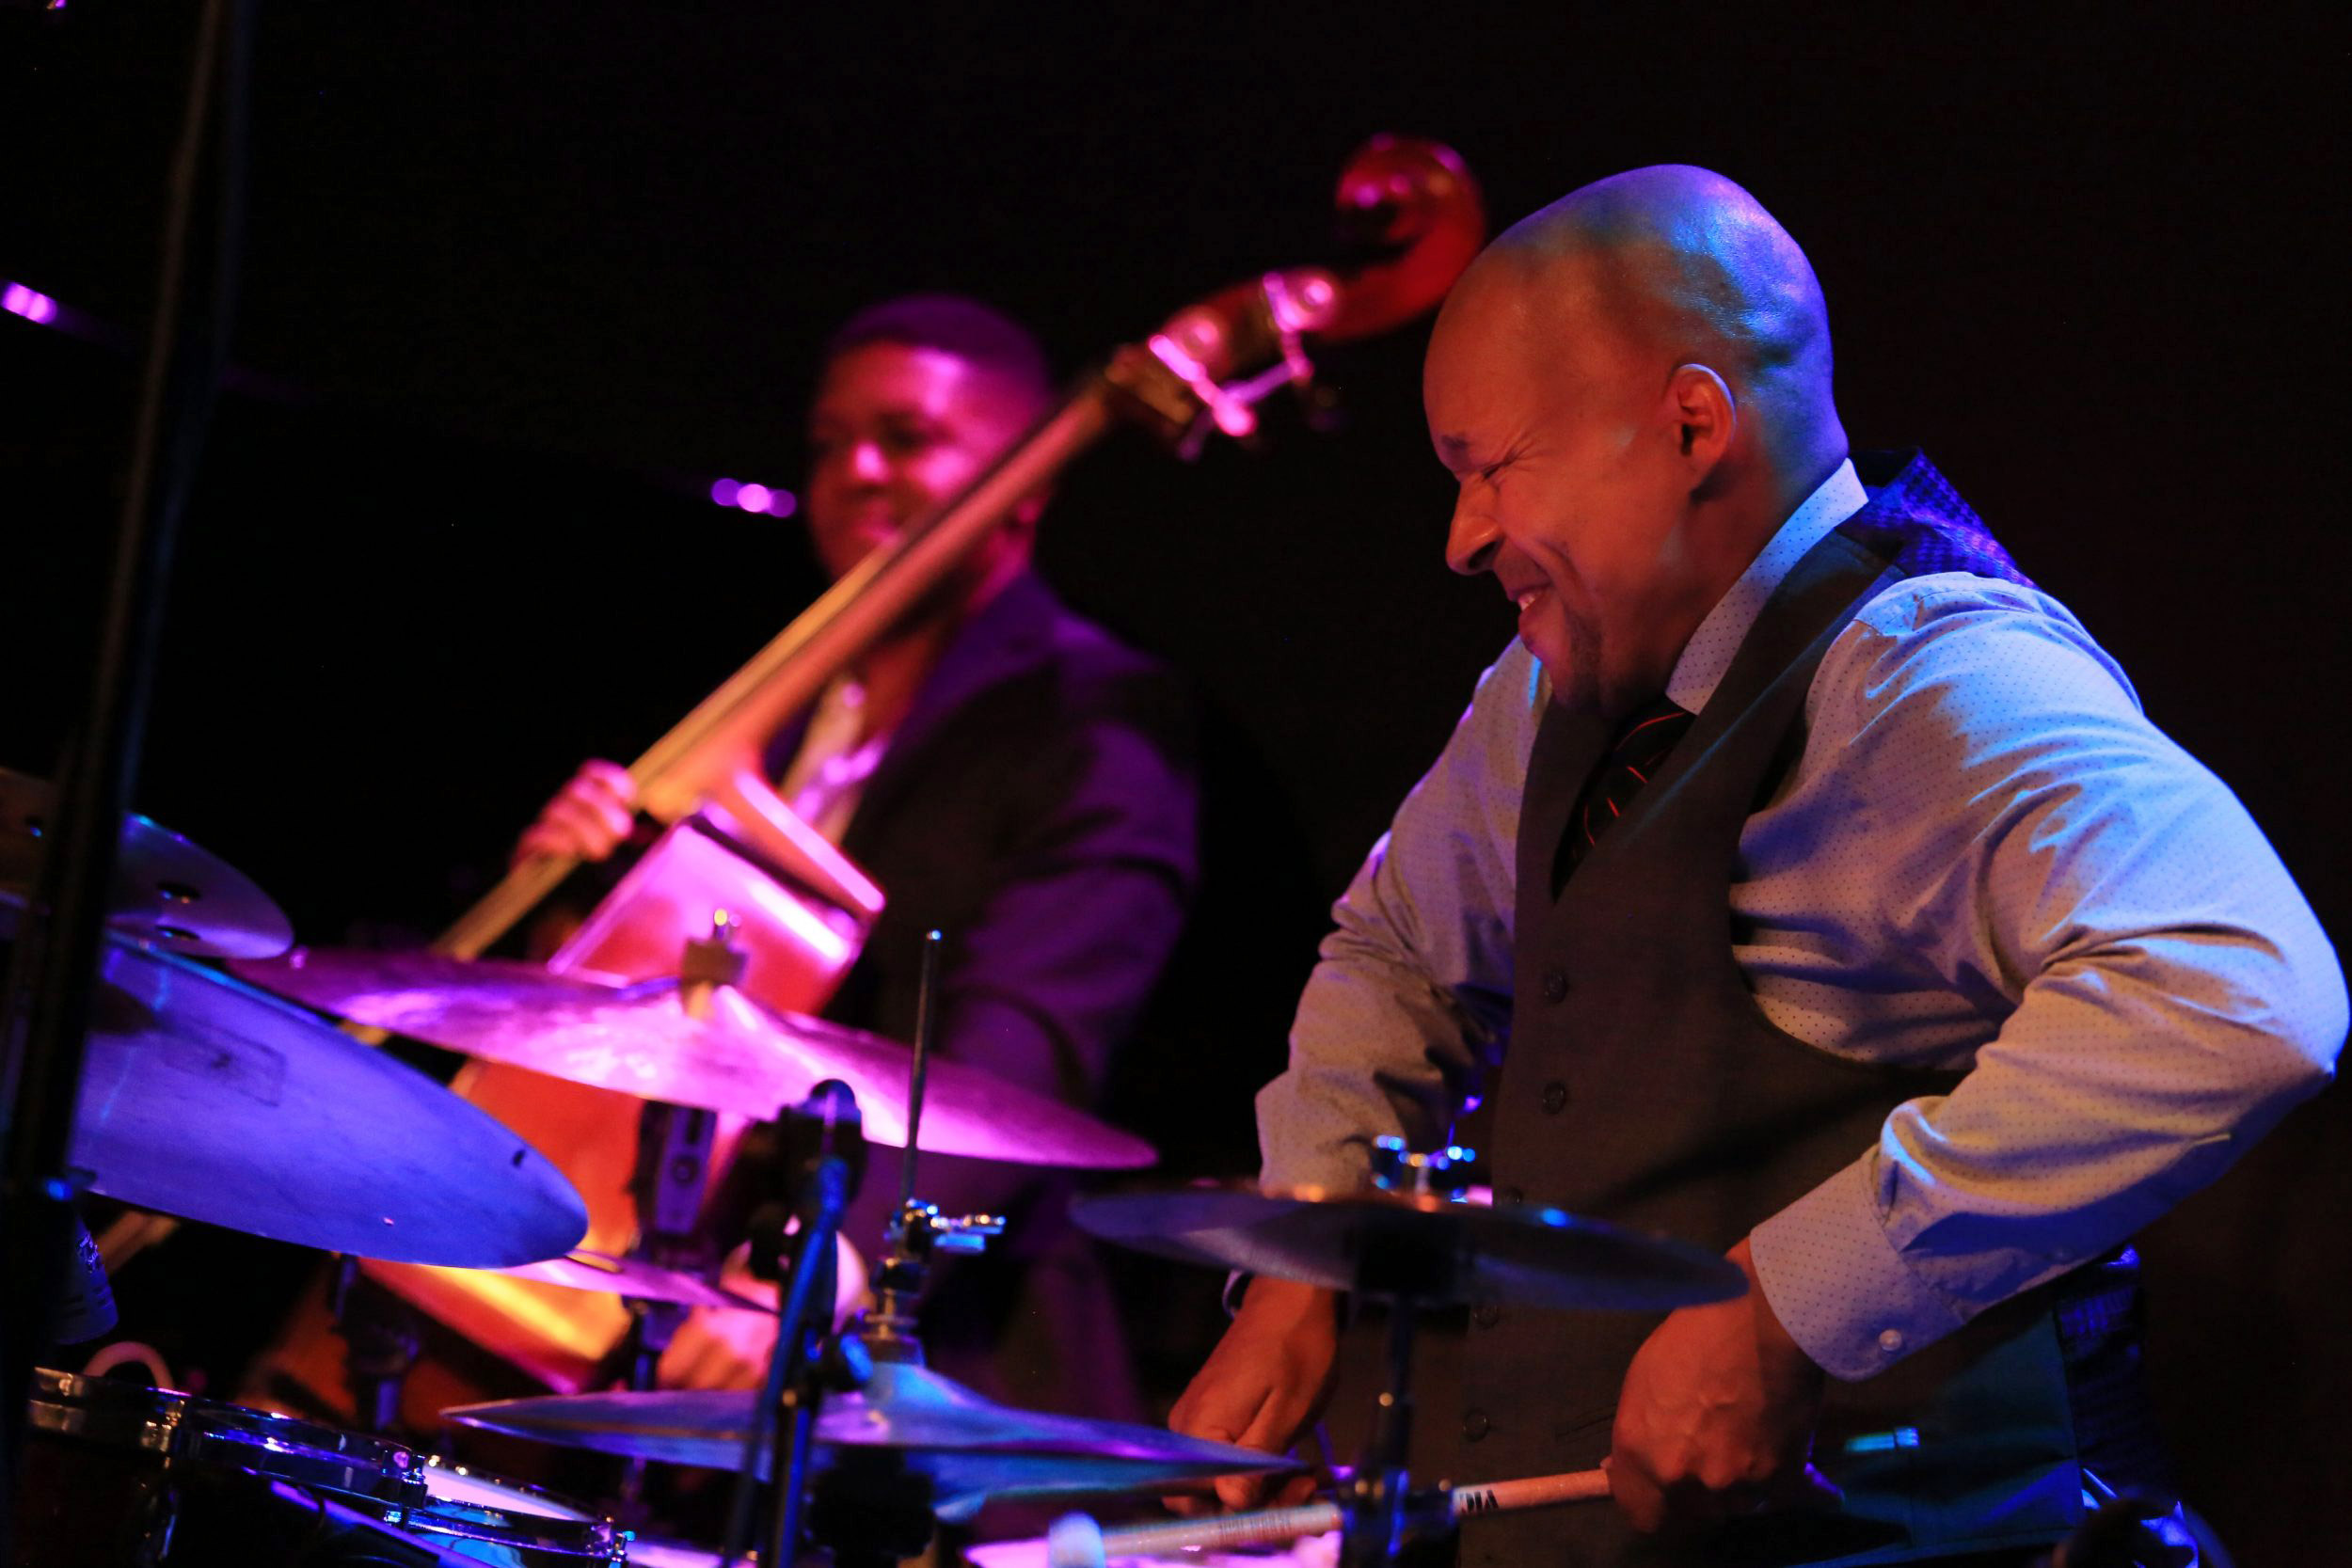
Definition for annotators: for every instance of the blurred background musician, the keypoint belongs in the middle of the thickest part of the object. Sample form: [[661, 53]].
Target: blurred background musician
[[1011, 775]]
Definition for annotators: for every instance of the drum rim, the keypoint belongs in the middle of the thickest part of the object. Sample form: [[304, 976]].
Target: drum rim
[[190, 1428], [576, 1533]]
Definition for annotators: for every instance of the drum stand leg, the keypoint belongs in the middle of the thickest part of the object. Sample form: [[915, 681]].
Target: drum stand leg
[[673, 1147], [380, 1343], [651, 1325], [1374, 1507]]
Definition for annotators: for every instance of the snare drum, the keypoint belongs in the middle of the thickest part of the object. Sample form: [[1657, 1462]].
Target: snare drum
[[109, 1468], [473, 1515], [644, 1553], [1308, 1551]]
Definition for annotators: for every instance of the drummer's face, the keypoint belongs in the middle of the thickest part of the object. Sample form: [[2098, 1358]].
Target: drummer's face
[[896, 430]]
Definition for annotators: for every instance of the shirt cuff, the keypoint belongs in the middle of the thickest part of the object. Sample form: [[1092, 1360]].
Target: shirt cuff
[[1839, 1286]]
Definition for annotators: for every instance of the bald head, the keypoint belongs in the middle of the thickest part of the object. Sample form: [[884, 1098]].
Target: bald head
[[1632, 389], [1676, 265]]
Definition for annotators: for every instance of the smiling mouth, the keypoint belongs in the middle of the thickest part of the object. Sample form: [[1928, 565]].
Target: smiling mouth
[[1527, 596]]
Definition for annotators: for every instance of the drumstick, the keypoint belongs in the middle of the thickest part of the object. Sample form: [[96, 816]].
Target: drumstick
[[1075, 1541]]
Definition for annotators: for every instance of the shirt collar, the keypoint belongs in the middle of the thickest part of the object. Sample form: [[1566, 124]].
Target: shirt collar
[[1708, 653]]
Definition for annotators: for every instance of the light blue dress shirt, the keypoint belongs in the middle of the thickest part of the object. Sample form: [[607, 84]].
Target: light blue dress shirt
[[1986, 858]]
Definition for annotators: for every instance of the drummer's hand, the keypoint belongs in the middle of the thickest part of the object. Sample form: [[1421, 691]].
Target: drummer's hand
[[718, 1348], [587, 820], [1716, 1416], [1263, 1383]]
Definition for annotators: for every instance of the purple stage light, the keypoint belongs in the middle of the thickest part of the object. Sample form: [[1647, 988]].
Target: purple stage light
[[753, 497], [31, 304]]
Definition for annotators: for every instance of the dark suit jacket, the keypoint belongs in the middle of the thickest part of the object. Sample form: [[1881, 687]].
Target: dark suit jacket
[[1037, 806]]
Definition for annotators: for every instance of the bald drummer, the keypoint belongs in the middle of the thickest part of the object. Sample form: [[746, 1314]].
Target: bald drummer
[[1840, 909]]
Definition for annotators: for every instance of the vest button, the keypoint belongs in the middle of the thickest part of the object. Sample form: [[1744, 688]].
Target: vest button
[[1475, 1424], [1555, 985], [1511, 1197], [1485, 1315], [1555, 1097]]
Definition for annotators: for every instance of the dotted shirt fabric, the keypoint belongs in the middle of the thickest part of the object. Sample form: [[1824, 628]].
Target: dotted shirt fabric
[[1985, 859]]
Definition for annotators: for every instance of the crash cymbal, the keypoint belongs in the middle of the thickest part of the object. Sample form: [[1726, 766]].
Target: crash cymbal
[[973, 1450], [634, 1279], [1415, 1245], [206, 1099], [167, 892], [732, 1054]]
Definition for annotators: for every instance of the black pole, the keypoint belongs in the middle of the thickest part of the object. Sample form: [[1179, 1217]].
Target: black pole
[[926, 1034], [60, 941]]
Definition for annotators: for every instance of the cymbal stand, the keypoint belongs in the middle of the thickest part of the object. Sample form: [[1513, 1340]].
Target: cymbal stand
[[869, 1509], [674, 1145], [1378, 1510], [916, 1228], [887, 1328], [381, 1338]]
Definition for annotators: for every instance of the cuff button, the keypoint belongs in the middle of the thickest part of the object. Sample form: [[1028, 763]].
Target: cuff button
[[1890, 1341]]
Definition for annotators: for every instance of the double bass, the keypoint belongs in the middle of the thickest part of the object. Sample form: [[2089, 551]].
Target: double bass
[[731, 842]]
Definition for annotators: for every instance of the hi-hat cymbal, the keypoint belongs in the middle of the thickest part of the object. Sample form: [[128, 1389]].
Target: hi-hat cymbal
[[167, 892], [729, 1054], [206, 1099], [1417, 1246], [973, 1450]]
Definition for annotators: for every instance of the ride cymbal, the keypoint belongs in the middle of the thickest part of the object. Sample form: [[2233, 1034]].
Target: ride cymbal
[[206, 1099], [711, 1047], [1417, 1246]]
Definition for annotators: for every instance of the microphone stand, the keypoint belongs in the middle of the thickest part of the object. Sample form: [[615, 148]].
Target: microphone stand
[[812, 1190]]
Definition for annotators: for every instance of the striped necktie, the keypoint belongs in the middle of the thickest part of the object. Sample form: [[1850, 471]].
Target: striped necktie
[[1633, 757]]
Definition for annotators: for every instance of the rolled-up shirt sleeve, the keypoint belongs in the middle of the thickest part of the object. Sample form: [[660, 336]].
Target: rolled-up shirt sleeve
[[1411, 992], [2159, 993]]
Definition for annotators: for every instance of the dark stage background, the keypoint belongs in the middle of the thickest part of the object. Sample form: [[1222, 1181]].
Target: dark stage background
[[527, 278]]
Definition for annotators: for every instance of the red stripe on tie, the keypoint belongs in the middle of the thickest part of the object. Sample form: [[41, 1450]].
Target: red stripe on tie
[[1646, 724]]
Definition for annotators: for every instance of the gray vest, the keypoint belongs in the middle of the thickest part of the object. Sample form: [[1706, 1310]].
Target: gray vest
[[1642, 1085]]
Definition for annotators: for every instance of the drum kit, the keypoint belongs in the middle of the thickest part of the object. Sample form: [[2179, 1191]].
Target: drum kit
[[207, 1097]]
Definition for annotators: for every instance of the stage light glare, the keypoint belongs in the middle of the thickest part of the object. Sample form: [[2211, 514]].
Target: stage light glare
[[783, 504], [753, 497], [31, 304], [724, 491]]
